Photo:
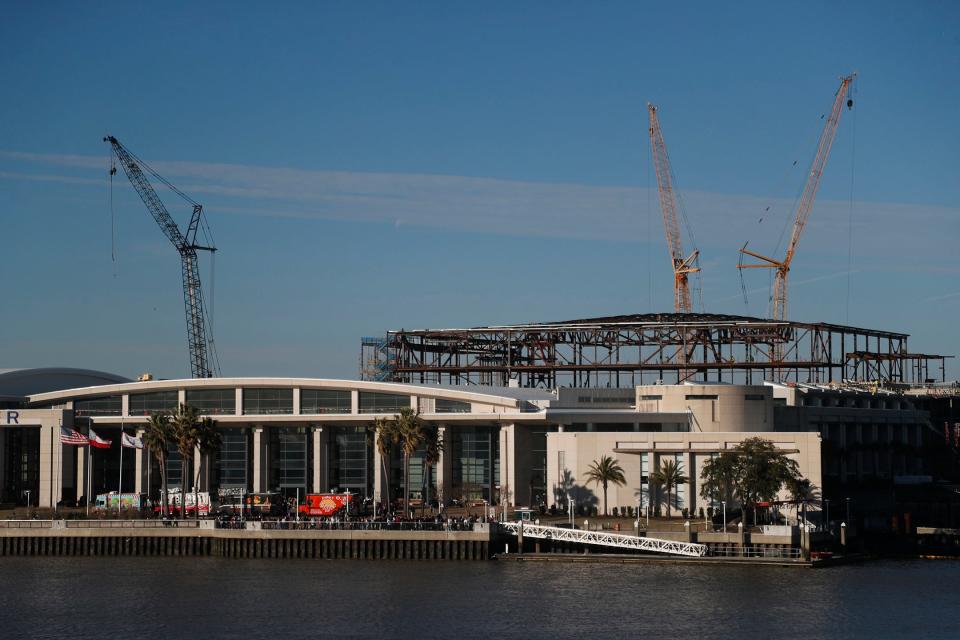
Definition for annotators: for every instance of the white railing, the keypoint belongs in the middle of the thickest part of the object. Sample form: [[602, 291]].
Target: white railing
[[605, 539]]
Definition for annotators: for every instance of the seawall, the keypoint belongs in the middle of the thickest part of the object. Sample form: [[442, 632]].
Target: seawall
[[233, 543]]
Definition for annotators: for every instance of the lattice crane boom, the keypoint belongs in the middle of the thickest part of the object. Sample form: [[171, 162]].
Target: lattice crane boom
[[203, 361], [805, 204], [682, 265]]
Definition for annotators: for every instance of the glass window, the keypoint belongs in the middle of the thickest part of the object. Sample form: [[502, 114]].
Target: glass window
[[212, 402], [696, 396], [476, 453], [267, 401], [232, 460], [105, 406], [754, 396], [289, 459], [143, 404], [351, 460], [383, 402], [451, 406], [314, 401]]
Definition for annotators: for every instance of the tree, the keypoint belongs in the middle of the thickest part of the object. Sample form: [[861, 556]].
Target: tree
[[157, 436], [209, 441], [604, 471], [801, 490], [433, 449], [386, 437], [719, 478], [185, 433], [412, 436], [669, 476], [756, 470], [762, 471]]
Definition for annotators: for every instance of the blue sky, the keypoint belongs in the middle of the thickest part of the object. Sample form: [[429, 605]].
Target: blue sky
[[375, 166]]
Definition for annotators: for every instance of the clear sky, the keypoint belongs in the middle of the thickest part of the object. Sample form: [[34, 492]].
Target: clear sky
[[372, 166]]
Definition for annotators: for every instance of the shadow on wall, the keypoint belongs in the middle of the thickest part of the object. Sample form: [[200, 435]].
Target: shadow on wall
[[567, 488]]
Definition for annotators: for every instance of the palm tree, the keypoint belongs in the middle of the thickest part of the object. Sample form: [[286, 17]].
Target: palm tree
[[604, 471], [801, 490], [669, 476], [433, 449], [209, 441], [185, 431], [157, 437], [385, 437], [412, 436]]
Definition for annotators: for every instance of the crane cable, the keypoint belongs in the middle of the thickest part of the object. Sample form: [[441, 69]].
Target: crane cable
[[113, 225], [853, 166]]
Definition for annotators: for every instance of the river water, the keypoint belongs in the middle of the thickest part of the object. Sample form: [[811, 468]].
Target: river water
[[215, 598]]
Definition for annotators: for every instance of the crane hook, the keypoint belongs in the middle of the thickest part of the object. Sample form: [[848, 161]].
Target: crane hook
[[849, 103]]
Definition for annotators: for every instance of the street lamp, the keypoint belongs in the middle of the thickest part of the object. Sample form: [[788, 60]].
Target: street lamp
[[848, 510], [826, 514], [724, 503], [637, 521]]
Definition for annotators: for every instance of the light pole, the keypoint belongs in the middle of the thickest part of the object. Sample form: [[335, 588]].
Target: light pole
[[724, 503], [826, 514], [639, 502], [848, 510]]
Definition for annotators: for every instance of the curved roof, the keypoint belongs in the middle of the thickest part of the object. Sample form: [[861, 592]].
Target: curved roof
[[64, 395], [26, 382]]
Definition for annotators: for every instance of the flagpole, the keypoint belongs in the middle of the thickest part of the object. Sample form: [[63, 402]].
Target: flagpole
[[120, 488], [89, 482]]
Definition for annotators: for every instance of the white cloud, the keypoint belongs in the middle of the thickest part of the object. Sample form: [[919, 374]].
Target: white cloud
[[723, 222]]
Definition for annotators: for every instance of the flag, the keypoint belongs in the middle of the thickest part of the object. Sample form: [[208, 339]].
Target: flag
[[131, 442], [72, 436], [98, 442]]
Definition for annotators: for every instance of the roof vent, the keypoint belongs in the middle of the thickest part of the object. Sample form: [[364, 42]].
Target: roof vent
[[145, 377]]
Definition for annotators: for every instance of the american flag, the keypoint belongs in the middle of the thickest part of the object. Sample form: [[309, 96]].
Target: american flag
[[72, 436]]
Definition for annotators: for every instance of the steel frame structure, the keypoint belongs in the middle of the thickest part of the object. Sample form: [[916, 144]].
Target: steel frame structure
[[625, 351], [605, 539]]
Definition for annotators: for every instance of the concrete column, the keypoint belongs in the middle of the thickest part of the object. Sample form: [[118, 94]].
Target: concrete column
[[379, 481], [258, 459], [321, 461], [51, 467], [296, 401], [83, 459], [238, 401], [691, 501], [354, 401], [181, 396], [515, 463], [139, 471], [125, 405], [445, 465]]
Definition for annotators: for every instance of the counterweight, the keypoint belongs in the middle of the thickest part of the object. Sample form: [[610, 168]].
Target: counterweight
[[203, 359]]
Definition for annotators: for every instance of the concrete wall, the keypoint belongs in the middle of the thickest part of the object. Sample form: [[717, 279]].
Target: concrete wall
[[578, 450], [715, 407]]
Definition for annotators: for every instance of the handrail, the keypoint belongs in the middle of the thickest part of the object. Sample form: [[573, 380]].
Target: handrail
[[132, 524], [605, 539], [26, 524]]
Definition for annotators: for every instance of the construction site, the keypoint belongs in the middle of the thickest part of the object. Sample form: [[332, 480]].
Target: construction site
[[669, 348]]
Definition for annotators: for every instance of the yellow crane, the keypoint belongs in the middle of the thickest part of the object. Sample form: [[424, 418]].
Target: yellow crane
[[805, 205], [682, 265]]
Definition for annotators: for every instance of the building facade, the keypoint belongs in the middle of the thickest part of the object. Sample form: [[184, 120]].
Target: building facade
[[500, 444]]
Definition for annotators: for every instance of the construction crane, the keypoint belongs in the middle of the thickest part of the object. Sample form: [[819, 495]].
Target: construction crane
[[682, 265], [805, 205], [203, 357]]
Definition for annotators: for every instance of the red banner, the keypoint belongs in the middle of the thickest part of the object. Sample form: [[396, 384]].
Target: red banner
[[324, 504]]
